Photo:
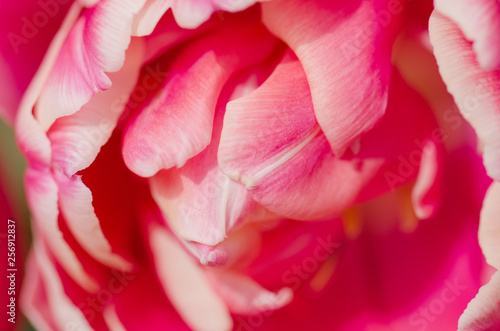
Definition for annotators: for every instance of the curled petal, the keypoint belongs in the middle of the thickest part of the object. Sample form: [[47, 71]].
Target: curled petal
[[177, 124], [41, 188], [239, 246], [57, 311], [426, 192], [201, 203], [112, 320], [265, 132], [75, 142], [345, 49], [483, 312], [167, 34], [191, 13], [475, 91], [76, 139], [34, 297], [186, 285], [150, 14], [95, 45], [245, 296], [42, 196], [489, 227], [273, 145], [479, 21], [75, 201], [30, 136]]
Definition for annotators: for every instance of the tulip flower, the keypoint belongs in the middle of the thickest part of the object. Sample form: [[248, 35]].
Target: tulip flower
[[257, 165]]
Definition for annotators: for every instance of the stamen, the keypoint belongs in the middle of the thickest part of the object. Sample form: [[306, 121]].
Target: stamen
[[324, 274], [352, 222], [408, 218]]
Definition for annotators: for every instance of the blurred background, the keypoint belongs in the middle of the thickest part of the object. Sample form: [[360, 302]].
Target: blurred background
[[12, 165]]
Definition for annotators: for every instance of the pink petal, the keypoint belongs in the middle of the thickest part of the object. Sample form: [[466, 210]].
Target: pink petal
[[266, 130], [489, 227], [41, 189], [345, 48], [476, 91], [245, 296], [199, 202], [112, 319], [186, 285], [168, 35], [377, 282], [33, 300], [190, 14], [177, 124], [30, 136], [148, 17], [426, 191], [42, 196], [77, 139], [479, 21], [61, 313], [71, 138], [89, 3], [95, 45], [118, 199], [273, 145], [75, 201], [483, 312], [240, 247]]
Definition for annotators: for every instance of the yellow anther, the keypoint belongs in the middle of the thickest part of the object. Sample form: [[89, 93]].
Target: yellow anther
[[324, 274], [352, 222], [408, 219]]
